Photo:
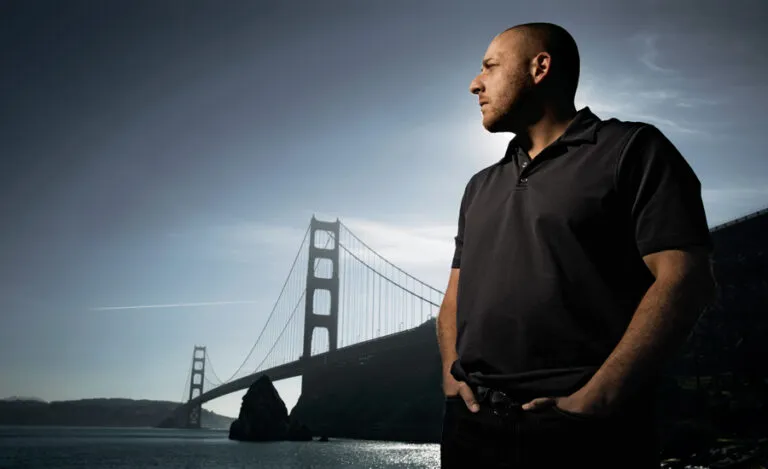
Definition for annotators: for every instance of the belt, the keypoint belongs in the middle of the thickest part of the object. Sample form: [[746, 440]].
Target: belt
[[500, 403]]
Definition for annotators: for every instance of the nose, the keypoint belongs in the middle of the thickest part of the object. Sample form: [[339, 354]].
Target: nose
[[475, 86]]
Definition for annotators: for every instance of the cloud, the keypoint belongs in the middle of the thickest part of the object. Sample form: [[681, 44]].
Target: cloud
[[721, 204], [608, 97], [650, 55], [678, 125], [696, 102], [598, 103], [424, 251], [673, 96], [406, 245], [726, 195], [658, 95]]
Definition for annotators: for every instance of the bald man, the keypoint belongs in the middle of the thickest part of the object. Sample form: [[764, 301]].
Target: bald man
[[582, 261]]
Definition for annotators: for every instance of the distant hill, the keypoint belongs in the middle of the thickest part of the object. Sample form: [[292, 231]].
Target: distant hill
[[96, 412], [22, 398]]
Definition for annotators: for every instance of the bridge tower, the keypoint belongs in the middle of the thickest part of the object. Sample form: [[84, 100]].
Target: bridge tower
[[312, 319], [196, 386]]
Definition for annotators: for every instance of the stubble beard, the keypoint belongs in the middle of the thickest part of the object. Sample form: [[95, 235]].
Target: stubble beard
[[517, 112]]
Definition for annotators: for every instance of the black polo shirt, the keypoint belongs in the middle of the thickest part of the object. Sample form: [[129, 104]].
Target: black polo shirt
[[551, 249]]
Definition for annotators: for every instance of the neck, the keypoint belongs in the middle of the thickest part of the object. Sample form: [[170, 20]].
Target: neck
[[548, 126]]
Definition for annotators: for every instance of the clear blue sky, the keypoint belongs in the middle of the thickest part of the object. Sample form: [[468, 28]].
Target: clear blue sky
[[173, 153]]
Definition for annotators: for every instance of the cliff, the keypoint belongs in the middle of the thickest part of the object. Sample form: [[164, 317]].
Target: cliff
[[392, 393], [97, 413]]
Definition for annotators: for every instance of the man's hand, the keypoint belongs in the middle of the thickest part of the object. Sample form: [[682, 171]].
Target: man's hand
[[451, 387], [575, 403], [446, 338]]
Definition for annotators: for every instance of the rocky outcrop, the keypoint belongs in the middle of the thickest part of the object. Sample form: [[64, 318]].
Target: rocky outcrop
[[264, 417]]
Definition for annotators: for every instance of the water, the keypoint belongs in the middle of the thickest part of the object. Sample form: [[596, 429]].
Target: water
[[136, 448]]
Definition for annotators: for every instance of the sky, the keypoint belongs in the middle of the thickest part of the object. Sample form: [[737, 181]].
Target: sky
[[172, 153]]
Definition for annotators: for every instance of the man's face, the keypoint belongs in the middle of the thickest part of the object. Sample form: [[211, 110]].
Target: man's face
[[504, 83]]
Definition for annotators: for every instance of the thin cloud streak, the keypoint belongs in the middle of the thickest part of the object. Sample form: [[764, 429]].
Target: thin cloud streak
[[175, 305], [730, 193], [651, 54], [626, 106]]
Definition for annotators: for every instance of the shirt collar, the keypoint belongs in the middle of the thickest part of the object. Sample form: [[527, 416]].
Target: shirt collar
[[583, 128]]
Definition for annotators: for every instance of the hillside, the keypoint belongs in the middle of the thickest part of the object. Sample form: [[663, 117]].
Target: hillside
[[97, 412]]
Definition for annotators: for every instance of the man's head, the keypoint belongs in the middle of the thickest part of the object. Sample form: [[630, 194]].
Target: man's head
[[526, 68]]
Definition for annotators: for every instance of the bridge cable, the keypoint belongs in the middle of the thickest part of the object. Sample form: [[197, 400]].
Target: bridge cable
[[213, 385], [295, 308], [387, 261], [186, 385], [274, 308], [210, 367], [389, 280]]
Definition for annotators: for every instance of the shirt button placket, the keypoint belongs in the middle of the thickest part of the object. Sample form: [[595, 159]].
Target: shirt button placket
[[523, 180]]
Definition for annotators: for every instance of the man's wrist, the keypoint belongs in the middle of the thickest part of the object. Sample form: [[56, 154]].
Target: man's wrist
[[598, 393], [447, 365]]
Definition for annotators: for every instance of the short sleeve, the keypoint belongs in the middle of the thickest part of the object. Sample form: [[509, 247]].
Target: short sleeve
[[459, 238], [663, 194]]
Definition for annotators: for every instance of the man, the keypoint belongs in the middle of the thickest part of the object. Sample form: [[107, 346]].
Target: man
[[581, 264]]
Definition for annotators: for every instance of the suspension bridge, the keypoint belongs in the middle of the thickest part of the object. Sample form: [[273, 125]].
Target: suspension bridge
[[340, 298]]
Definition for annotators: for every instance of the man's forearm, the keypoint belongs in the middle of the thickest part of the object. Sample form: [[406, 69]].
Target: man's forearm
[[446, 336], [662, 321]]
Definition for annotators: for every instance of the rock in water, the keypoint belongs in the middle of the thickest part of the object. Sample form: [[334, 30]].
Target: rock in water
[[264, 417], [297, 431]]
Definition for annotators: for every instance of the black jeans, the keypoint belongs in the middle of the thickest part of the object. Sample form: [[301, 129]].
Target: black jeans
[[550, 438]]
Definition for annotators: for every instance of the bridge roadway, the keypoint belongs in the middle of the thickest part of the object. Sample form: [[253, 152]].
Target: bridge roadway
[[358, 351]]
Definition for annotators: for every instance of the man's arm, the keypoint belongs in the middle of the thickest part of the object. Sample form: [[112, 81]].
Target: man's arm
[[446, 339], [683, 286], [446, 324]]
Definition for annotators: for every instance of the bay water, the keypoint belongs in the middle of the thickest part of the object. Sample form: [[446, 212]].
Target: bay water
[[136, 448]]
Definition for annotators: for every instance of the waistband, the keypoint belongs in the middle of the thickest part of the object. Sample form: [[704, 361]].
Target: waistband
[[499, 402], [504, 404]]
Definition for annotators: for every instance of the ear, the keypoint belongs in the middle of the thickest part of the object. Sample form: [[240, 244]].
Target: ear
[[540, 66]]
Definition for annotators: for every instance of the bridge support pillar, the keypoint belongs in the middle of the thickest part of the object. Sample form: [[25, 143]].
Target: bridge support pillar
[[196, 386], [313, 320]]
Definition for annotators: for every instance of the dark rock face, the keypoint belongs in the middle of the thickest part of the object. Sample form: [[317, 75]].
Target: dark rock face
[[264, 417], [392, 392], [297, 431]]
